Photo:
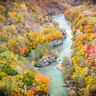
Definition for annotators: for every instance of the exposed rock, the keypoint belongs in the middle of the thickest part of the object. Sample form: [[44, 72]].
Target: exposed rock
[[59, 66], [45, 61], [56, 42]]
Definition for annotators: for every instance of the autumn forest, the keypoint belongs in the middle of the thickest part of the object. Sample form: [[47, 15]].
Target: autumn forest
[[47, 48]]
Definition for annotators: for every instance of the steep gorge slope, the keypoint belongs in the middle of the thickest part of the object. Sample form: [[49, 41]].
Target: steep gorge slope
[[82, 72], [25, 31]]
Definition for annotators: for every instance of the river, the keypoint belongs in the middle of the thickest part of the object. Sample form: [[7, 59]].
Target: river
[[56, 86]]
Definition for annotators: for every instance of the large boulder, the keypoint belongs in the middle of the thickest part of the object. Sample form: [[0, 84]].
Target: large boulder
[[45, 61], [56, 42]]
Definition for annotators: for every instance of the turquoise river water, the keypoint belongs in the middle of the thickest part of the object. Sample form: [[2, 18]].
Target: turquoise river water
[[56, 86]]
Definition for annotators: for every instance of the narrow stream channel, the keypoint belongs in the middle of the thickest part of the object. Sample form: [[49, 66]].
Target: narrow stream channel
[[56, 86]]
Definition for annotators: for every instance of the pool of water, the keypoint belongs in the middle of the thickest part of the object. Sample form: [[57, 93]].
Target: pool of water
[[56, 86]]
